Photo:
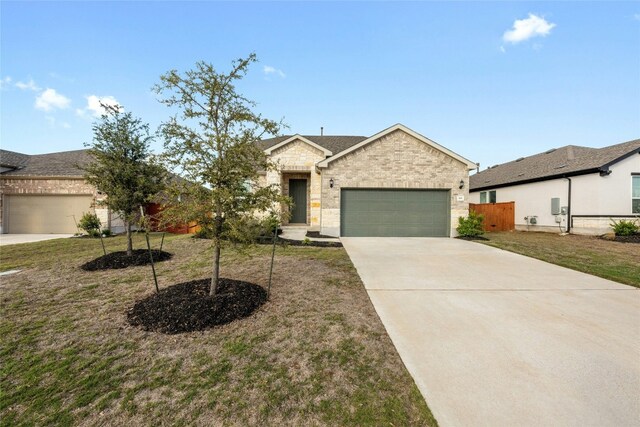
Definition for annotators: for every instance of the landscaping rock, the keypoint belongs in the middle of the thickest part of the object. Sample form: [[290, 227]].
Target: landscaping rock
[[115, 260], [187, 307]]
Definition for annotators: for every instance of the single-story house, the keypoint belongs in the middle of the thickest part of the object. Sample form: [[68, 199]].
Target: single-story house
[[394, 183], [46, 193], [569, 189]]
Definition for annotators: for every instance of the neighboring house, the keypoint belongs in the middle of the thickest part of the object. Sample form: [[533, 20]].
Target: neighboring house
[[46, 193], [571, 189], [394, 183]]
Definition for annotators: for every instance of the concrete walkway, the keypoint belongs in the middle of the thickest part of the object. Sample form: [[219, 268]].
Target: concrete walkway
[[14, 239], [498, 339]]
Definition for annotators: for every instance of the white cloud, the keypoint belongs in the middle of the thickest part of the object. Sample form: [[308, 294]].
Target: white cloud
[[30, 85], [66, 125], [268, 70], [502, 49], [524, 29], [50, 99], [4, 82], [93, 105]]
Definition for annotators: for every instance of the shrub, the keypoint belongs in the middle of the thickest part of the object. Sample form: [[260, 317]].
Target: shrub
[[90, 224], [204, 233], [470, 226], [106, 232], [625, 227]]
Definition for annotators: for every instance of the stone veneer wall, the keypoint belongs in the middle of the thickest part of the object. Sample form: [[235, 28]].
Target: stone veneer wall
[[36, 185], [299, 157], [397, 160]]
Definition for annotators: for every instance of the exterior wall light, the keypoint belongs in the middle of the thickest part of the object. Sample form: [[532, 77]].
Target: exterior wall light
[[331, 183], [461, 186]]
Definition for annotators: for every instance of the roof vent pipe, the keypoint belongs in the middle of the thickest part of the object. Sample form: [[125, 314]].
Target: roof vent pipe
[[321, 130]]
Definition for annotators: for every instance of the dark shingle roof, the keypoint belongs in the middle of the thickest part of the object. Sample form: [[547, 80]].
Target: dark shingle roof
[[11, 159], [333, 143], [568, 160], [64, 163]]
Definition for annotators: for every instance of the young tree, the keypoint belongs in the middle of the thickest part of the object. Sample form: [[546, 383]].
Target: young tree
[[123, 167], [212, 141]]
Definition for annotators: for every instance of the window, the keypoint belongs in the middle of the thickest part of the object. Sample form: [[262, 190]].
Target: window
[[492, 196], [635, 194]]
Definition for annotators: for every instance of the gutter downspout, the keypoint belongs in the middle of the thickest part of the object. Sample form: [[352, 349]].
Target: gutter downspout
[[569, 206]]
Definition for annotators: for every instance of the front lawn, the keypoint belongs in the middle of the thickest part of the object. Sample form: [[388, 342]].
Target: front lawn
[[608, 259], [316, 354]]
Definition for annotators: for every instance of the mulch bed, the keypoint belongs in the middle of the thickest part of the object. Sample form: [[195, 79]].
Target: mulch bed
[[116, 260], [471, 238], [317, 235], [313, 243], [310, 243], [187, 307], [628, 239]]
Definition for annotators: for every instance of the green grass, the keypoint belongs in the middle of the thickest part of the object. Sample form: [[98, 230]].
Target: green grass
[[316, 354], [604, 258]]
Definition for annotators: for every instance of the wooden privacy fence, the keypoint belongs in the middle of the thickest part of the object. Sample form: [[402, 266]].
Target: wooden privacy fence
[[497, 216], [154, 210]]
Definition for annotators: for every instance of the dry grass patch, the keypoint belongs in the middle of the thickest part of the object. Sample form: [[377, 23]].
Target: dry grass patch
[[316, 354], [604, 258]]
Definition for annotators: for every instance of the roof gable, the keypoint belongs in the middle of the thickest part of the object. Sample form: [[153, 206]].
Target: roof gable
[[469, 163], [297, 137], [564, 161]]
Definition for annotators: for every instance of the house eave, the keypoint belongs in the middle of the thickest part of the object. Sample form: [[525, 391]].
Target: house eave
[[540, 179], [602, 169], [624, 156]]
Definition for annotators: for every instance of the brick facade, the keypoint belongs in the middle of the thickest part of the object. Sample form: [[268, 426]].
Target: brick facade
[[10, 185], [297, 160], [36, 185], [396, 160]]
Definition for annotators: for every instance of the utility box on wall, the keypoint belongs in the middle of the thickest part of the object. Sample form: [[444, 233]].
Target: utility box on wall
[[555, 206]]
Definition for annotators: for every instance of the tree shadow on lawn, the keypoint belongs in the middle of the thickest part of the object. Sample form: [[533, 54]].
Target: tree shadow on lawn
[[187, 307]]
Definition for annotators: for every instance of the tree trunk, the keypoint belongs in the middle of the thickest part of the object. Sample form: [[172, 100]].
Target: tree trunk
[[217, 233], [216, 268], [129, 242]]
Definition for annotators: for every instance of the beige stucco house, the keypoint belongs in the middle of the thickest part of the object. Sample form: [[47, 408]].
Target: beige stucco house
[[568, 189], [394, 183]]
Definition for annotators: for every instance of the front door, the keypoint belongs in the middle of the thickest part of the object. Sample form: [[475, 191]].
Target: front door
[[298, 193]]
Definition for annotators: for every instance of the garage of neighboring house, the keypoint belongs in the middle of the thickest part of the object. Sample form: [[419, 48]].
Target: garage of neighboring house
[[379, 212], [45, 193], [43, 214]]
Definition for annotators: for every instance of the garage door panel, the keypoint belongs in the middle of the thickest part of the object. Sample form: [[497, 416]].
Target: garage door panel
[[399, 213], [44, 214]]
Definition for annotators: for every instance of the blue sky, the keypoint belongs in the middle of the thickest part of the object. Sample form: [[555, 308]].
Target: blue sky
[[492, 81]]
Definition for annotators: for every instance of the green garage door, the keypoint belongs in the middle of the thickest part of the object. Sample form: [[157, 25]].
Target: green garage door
[[394, 213]]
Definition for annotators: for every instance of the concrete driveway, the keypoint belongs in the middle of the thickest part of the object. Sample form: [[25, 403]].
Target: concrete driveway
[[498, 339], [13, 239]]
